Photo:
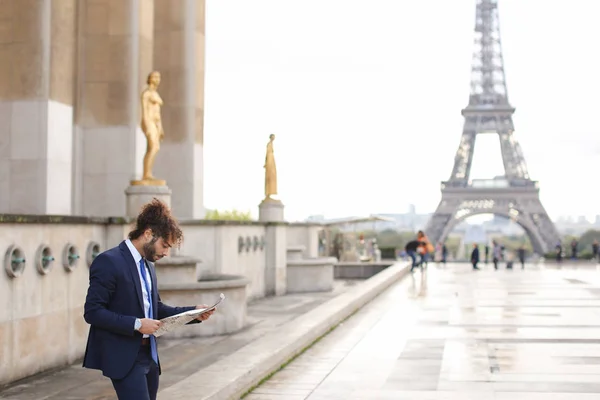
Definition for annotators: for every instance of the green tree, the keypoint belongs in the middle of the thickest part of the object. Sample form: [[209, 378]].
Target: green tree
[[586, 240], [391, 238], [452, 244], [228, 215]]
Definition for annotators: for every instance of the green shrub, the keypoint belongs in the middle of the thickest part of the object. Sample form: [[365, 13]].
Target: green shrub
[[228, 215]]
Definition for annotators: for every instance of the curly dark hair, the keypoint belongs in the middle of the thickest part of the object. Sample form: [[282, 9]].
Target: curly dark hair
[[156, 215]]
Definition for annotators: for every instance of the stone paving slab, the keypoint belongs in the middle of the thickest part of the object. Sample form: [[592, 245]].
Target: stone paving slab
[[182, 358], [232, 376], [428, 338]]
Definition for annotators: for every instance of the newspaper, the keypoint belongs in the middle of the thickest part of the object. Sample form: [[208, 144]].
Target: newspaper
[[175, 321]]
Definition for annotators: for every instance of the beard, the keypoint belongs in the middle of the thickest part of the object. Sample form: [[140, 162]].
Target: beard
[[150, 251]]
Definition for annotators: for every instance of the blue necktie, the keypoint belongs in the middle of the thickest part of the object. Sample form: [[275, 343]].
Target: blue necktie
[[153, 349]]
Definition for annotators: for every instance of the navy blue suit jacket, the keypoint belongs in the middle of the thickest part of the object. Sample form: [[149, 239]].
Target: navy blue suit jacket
[[113, 302]]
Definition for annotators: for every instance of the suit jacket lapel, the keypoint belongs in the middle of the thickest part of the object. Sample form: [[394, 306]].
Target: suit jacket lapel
[[133, 270], [154, 288]]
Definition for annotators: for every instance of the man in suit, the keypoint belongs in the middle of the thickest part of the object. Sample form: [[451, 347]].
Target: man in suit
[[123, 306]]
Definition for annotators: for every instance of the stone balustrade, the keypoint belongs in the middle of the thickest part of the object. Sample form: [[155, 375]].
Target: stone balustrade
[[46, 263], [179, 285]]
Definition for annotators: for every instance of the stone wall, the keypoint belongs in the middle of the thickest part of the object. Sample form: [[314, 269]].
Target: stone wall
[[306, 235], [41, 311], [232, 249], [71, 77]]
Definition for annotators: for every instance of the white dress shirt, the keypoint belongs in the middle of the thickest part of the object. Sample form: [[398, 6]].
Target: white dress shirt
[[137, 257]]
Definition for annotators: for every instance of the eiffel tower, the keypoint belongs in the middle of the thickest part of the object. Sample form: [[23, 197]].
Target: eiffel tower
[[513, 195]]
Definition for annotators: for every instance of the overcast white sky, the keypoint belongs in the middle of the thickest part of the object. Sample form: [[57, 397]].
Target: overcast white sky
[[364, 97]]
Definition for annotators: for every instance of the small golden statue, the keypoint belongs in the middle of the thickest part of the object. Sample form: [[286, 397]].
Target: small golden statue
[[270, 171], [152, 128]]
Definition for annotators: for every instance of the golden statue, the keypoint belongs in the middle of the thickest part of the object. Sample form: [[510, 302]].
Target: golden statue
[[152, 128], [270, 171]]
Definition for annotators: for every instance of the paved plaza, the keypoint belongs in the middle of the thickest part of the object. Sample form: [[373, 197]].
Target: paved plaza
[[453, 333]]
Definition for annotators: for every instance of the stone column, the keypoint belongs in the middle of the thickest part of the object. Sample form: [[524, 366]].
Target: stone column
[[276, 260], [179, 57], [115, 57], [37, 54]]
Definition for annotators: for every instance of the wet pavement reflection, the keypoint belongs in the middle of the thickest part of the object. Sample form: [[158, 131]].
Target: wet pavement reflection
[[448, 332]]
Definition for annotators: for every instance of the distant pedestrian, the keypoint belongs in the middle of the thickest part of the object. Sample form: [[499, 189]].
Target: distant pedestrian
[[412, 251], [475, 256], [496, 253], [521, 254], [444, 253], [559, 255], [425, 249]]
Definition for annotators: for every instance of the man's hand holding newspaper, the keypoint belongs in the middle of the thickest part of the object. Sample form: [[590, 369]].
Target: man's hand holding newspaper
[[201, 313]]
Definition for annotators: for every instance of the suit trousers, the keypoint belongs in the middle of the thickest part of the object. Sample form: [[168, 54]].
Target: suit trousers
[[141, 383]]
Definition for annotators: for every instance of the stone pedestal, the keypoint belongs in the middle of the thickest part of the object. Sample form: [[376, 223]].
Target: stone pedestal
[[138, 195], [310, 275], [270, 210], [275, 268], [179, 286]]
